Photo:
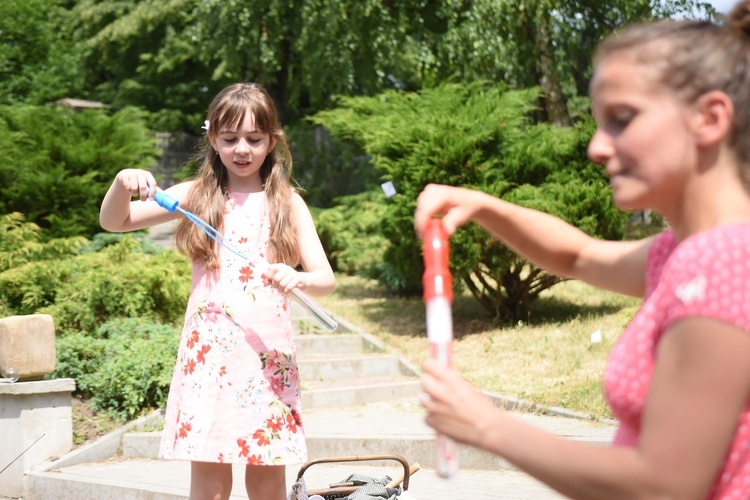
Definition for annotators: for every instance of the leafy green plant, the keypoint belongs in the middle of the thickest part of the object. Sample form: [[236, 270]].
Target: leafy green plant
[[83, 291], [59, 163], [138, 366], [124, 366], [478, 136], [351, 233], [22, 242], [79, 356]]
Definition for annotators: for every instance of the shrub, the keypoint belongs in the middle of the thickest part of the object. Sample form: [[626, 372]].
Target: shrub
[[351, 233], [125, 366], [138, 367], [58, 164], [79, 356], [21, 242], [86, 290], [478, 136]]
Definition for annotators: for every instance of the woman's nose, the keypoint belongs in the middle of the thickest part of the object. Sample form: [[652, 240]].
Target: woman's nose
[[600, 147]]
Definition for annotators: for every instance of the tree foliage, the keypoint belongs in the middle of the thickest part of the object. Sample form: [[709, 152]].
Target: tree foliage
[[478, 136], [59, 163], [176, 54], [172, 56], [538, 43], [38, 61]]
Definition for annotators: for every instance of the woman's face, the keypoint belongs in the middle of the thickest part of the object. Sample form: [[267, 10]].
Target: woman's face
[[644, 139], [243, 149]]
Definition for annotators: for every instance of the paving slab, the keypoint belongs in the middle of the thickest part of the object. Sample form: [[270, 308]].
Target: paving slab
[[139, 479]]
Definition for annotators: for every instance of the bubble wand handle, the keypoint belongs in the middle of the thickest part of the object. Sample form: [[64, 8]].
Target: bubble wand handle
[[171, 204], [437, 282]]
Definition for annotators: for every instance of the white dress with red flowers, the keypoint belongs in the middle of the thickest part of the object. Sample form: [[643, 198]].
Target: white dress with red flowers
[[235, 394]]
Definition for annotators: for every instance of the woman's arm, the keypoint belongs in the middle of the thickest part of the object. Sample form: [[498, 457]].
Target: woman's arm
[[700, 386], [543, 239]]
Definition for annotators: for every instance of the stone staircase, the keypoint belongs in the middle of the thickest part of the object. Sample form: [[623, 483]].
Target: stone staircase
[[343, 369], [339, 370], [359, 399]]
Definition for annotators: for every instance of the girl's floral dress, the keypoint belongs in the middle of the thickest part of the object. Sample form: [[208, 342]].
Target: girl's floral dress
[[235, 394]]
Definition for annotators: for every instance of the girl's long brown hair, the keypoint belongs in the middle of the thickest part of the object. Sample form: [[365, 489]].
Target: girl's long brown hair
[[207, 196]]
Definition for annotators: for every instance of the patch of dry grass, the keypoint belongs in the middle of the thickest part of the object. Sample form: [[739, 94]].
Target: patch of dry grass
[[551, 361], [90, 424]]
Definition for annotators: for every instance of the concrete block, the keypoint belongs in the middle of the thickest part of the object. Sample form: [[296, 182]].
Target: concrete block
[[36, 422], [27, 343]]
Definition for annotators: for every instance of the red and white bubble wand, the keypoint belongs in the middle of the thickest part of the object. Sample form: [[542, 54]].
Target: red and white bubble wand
[[437, 282]]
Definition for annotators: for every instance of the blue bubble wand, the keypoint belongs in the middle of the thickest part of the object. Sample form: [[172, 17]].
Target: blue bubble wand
[[171, 204]]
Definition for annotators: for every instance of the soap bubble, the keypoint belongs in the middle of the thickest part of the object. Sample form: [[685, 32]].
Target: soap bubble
[[11, 374]]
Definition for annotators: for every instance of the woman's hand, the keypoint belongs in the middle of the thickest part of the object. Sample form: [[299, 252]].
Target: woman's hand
[[455, 205], [455, 408]]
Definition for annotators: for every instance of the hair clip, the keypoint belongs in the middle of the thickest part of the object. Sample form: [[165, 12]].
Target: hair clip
[[205, 126]]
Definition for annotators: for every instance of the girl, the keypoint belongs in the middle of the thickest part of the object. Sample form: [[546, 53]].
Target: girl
[[672, 102], [235, 394]]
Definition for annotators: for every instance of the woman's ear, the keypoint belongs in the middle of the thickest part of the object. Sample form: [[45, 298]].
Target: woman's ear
[[715, 112], [271, 145]]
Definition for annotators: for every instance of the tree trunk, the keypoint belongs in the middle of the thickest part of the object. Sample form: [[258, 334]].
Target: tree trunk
[[555, 102]]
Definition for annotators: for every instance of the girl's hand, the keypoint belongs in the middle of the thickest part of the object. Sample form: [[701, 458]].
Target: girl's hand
[[283, 278], [455, 408], [140, 183]]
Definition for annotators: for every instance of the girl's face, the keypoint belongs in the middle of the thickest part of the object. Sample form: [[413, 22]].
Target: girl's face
[[644, 139], [242, 150]]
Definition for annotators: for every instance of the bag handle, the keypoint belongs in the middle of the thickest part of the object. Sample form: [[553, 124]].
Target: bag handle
[[361, 458]]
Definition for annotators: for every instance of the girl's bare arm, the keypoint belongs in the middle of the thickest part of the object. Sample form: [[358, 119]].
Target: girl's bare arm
[[317, 278], [120, 213]]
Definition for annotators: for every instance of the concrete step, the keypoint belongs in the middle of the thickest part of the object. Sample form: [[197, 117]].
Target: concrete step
[[393, 426], [347, 369], [335, 394], [331, 367], [337, 344]]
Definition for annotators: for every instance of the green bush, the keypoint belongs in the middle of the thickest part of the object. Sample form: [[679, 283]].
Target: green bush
[[79, 356], [58, 163], [478, 136], [351, 233], [137, 370], [125, 366], [84, 291], [116, 302], [22, 242]]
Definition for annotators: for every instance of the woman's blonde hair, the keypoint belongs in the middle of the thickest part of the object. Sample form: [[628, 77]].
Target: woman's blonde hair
[[207, 196], [694, 57]]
